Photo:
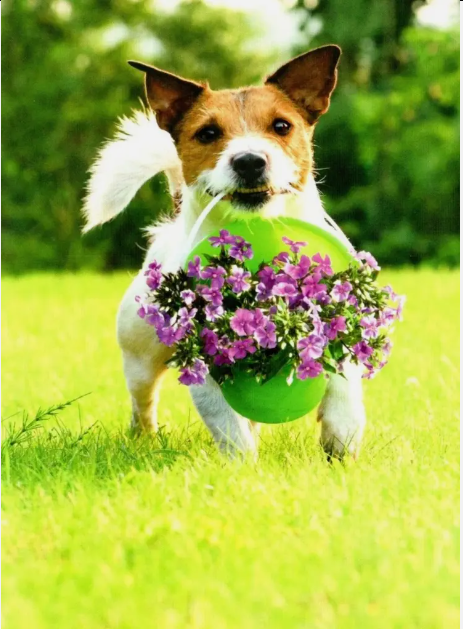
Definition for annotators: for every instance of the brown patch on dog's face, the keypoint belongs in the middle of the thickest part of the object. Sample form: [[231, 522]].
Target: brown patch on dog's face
[[231, 114]]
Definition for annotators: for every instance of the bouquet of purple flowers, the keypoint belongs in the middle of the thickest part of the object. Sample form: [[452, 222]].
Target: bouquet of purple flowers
[[294, 310]]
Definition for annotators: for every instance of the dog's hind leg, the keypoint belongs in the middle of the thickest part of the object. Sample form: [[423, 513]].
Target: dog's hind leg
[[342, 413], [231, 432]]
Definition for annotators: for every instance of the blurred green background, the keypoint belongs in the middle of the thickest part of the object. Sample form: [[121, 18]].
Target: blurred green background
[[386, 154]]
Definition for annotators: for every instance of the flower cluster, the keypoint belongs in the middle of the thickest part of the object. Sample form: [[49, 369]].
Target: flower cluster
[[293, 311]]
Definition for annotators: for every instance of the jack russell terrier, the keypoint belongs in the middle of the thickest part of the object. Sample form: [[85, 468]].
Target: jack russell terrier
[[253, 149]]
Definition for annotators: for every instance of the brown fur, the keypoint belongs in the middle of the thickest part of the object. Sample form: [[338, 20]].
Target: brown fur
[[237, 112], [309, 80]]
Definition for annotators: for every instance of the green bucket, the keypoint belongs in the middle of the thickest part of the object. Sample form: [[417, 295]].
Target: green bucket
[[276, 401]]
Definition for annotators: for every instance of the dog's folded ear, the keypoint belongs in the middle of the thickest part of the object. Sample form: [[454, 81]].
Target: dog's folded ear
[[309, 80], [169, 96]]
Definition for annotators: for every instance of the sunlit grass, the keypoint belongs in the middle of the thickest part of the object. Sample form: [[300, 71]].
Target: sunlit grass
[[101, 530]]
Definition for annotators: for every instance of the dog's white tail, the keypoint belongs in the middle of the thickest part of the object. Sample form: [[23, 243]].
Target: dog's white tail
[[139, 151]]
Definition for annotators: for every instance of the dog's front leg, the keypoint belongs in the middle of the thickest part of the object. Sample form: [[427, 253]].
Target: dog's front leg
[[231, 432], [342, 413], [144, 359], [144, 374]]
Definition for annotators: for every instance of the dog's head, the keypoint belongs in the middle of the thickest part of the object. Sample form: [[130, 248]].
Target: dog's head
[[251, 143]]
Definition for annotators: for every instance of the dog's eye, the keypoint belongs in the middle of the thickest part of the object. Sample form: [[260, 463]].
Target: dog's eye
[[282, 127], [208, 134]]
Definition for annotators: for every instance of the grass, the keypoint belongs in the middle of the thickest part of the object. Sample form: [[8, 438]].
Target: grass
[[101, 531]]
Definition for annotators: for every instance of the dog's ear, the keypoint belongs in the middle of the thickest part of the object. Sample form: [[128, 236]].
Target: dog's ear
[[309, 80], [170, 96]]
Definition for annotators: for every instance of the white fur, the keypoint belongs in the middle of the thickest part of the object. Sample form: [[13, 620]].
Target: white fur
[[341, 413], [139, 151], [281, 170]]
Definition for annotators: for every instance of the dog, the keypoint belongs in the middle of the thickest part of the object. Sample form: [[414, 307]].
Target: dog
[[254, 146]]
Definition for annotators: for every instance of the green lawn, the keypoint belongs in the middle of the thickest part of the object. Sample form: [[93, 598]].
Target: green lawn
[[102, 532]]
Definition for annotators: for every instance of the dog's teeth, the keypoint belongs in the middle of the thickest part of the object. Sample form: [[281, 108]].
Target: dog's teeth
[[251, 190]]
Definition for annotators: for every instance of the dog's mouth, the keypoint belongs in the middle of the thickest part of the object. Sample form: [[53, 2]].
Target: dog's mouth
[[258, 191], [255, 190], [250, 198], [254, 198]]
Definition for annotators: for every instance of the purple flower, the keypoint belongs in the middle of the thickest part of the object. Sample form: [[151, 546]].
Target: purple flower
[[241, 348], [372, 371], [313, 308], [259, 318], [281, 257], [311, 287], [387, 317], [364, 256], [299, 270], [154, 280], [237, 280], [387, 346], [224, 238], [223, 358], [309, 369], [211, 294], [213, 312], [318, 325], [295, 302], [267, 276], [215, 274], [352, 301], [188, 297], [241, 249], [341, 291], [170, 334], [370, 327], [400, 307], [152, 315], [186, 316], [324, 299], [153, 275], [243, 322], [263, 292], [194, 268], [324, 264], [338, 324], [285, 289], [295, 246], [311, 346], [363, 351], [265, 334], [196, 374], [389, 291], [211, 341]]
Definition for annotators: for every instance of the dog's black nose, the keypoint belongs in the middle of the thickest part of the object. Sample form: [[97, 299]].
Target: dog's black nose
[[249, 166]]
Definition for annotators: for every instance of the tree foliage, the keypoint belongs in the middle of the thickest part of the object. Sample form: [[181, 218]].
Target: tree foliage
[[388, 144], [387, 151]]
